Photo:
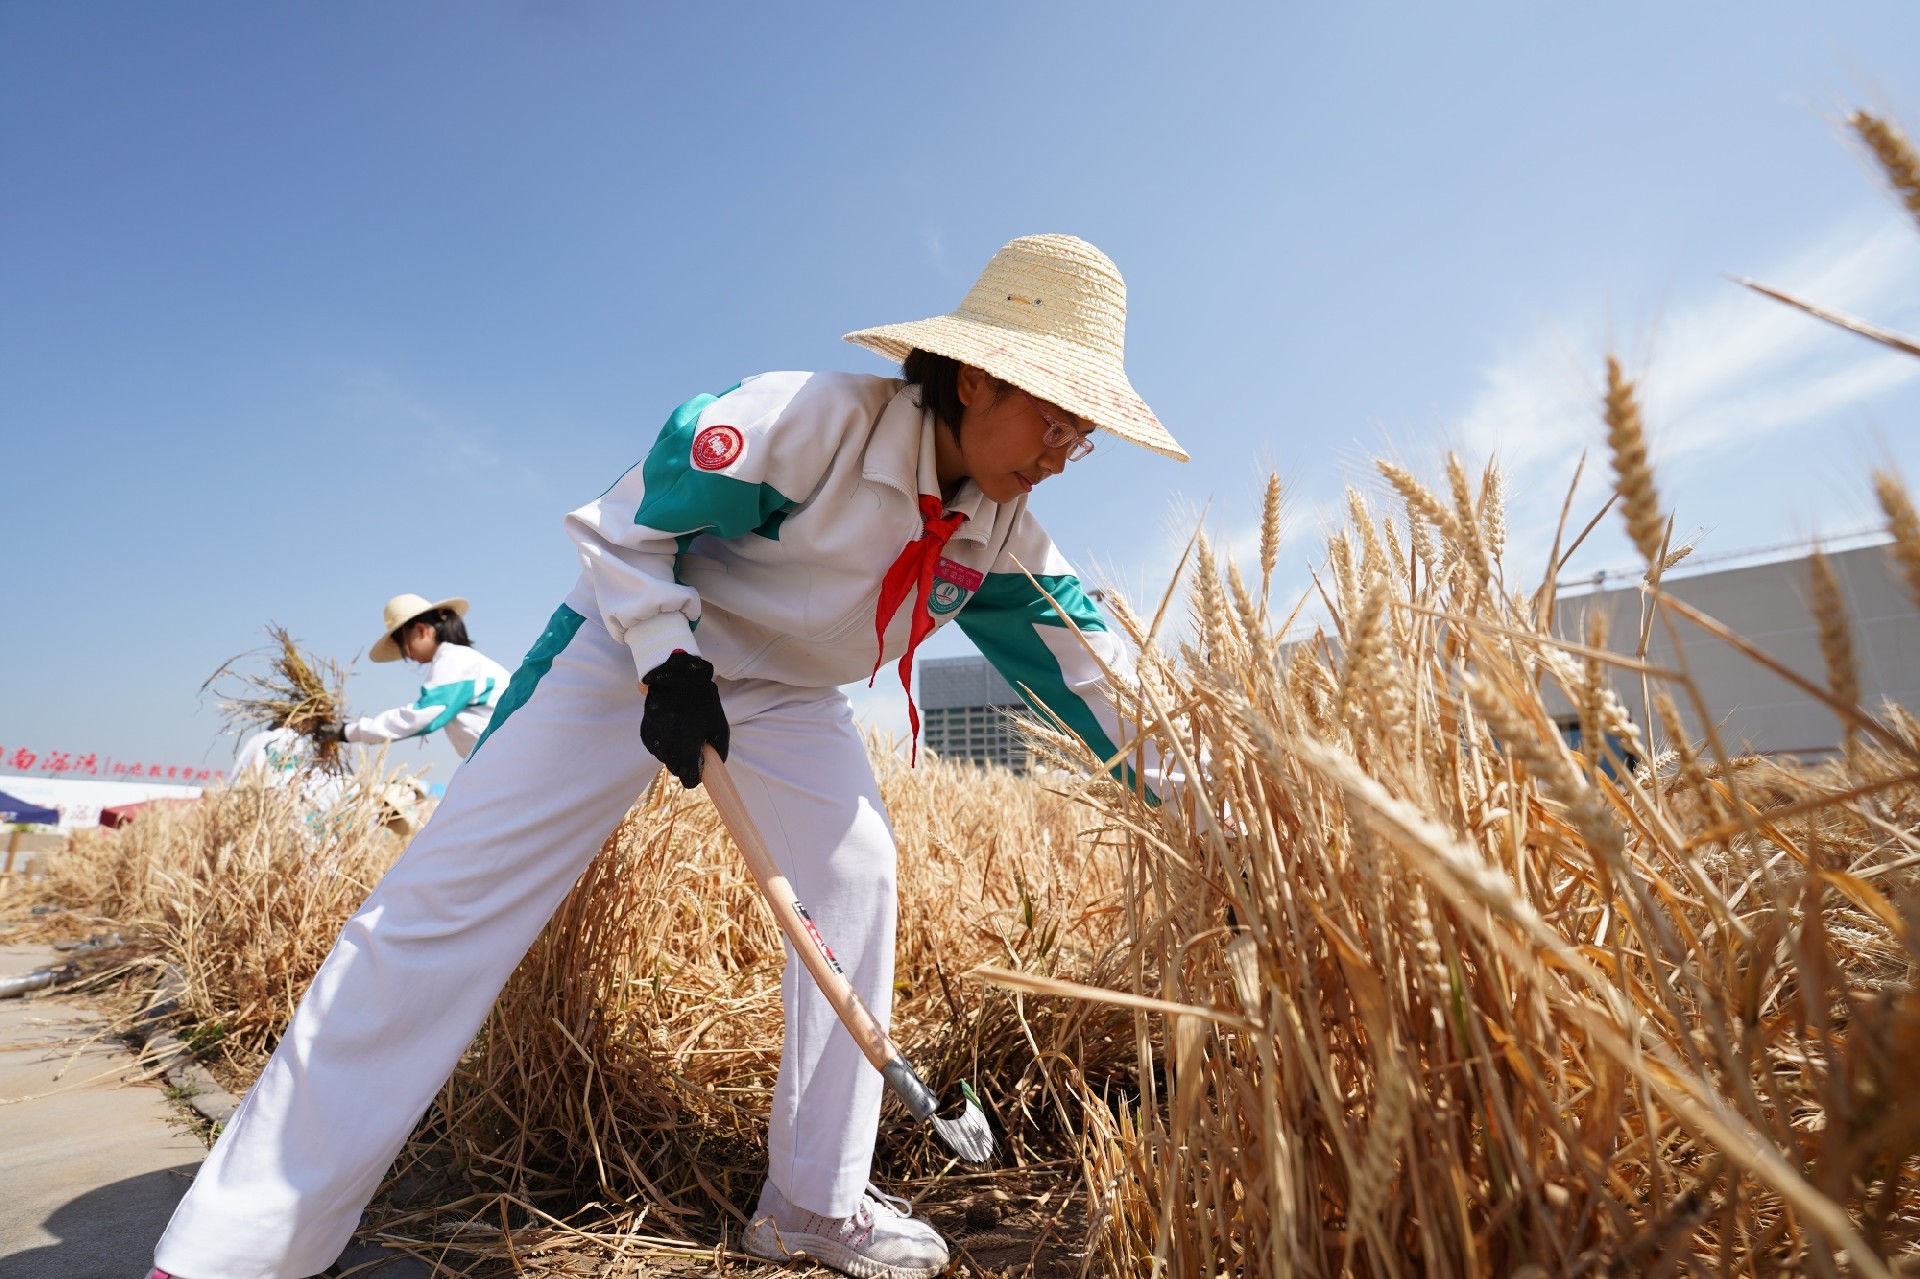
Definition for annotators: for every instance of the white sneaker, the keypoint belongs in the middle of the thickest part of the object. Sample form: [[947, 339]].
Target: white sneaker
[[881, 1240]]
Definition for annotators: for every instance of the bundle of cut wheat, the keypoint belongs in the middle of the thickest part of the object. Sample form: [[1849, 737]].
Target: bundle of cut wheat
[[295, 692]]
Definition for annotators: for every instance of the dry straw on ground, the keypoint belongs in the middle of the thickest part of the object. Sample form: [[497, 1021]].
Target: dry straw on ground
[[242, 893]]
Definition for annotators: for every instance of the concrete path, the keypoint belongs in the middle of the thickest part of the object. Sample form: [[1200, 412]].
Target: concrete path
[[90, 1168]]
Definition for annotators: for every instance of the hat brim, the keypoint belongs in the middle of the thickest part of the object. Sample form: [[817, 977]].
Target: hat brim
[[385, 650], [1080, 381]]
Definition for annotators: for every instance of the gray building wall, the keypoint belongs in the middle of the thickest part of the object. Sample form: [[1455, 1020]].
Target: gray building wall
[[1767, 605], [967, 712]]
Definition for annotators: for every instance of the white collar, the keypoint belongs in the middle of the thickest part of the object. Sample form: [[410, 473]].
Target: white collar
[[902, 445]]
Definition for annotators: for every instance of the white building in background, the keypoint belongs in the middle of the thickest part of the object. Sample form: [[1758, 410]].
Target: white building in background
[[967, 712], [1768, 606], [79, 800]]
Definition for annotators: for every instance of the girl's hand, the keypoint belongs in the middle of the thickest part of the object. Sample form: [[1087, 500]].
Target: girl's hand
[[682, 714]]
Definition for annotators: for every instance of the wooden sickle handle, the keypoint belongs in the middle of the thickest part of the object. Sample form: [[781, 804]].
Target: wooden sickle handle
[[792, 916]]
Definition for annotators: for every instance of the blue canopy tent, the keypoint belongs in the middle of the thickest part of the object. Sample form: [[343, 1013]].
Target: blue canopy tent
[[19, 810]]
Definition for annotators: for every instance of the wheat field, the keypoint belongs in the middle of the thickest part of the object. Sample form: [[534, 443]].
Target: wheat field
[[1396, 984]]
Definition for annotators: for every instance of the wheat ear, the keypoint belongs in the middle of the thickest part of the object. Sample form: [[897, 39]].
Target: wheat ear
[[1904, 524], [1269, 537], [1467, 520], [1493, 512], [1633, 477], [1836, 638], [1420, 500], [1896, 155], [1673, 557]]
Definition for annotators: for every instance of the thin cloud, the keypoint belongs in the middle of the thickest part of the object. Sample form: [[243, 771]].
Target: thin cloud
[[455, 448], [1729, 377], [1737, 348], [458, 452], [934, 240]]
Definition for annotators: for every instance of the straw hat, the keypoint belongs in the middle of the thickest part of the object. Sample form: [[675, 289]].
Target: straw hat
[[1049, 315], [402, 609]]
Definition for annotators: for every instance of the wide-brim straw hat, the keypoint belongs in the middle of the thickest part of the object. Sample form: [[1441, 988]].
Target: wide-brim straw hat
[[1049, 315], [402, 609]]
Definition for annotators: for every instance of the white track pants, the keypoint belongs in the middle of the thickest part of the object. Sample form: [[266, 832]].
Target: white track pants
[[417, 968]]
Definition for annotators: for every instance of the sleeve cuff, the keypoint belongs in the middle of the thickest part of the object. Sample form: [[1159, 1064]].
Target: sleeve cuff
[[653, 641]]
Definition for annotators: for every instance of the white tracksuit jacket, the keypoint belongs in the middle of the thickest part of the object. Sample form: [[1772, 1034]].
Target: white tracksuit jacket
[[461, 689], [279, 758], [755, 532]]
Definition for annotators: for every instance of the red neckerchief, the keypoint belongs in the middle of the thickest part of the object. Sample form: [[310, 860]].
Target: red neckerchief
[[914, 569]]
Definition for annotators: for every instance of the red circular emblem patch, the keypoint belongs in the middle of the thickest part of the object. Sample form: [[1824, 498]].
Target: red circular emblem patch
[[716, 447]]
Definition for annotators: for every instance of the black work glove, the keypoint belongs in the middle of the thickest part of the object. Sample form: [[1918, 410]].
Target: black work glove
[[330, 733], [682, 715]]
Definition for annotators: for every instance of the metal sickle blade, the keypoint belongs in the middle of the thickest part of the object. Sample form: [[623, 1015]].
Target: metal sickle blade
[[968, 1135]]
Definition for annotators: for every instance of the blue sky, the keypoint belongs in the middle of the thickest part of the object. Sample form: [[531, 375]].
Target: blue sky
[[309, 305]]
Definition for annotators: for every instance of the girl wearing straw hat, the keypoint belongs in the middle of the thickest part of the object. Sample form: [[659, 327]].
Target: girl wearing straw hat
[[462, 685], [814, 527]]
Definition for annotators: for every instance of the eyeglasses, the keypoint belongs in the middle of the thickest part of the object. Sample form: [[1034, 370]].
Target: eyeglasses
[[1062, 432]]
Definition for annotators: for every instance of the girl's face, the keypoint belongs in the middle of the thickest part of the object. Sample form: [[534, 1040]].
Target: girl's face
[[1003, 445], [421, 643]]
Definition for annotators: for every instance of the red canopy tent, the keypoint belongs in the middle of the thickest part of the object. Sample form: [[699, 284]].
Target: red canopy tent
[[120, 814]]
